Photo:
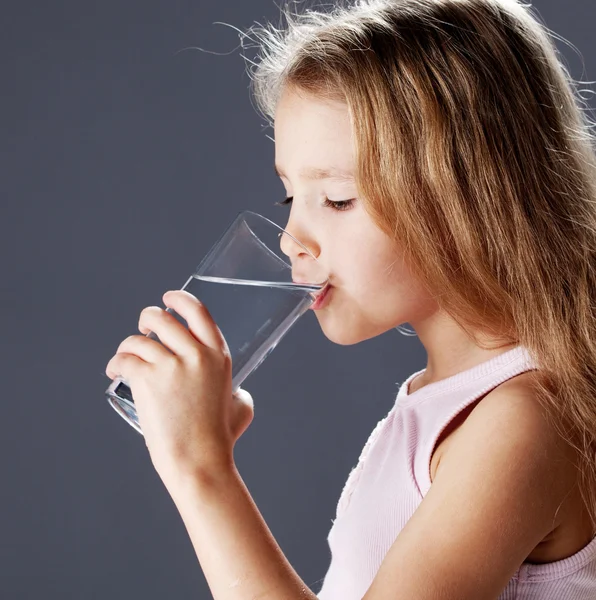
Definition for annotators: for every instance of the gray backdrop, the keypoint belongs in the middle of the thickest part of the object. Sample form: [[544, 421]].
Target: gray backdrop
[[122, 160]]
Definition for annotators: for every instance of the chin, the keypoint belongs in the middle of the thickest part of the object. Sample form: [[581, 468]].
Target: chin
[[343, 333]]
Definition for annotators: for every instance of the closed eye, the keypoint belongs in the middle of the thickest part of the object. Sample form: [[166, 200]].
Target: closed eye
[[338, 205]]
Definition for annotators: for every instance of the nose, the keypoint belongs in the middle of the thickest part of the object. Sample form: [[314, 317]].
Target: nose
[[294, 247], [300, 251]]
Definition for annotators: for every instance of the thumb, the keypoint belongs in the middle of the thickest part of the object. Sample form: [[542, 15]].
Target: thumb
[[242, 414]]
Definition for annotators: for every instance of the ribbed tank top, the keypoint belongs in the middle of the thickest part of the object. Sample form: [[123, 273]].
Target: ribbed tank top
[[392, 477]]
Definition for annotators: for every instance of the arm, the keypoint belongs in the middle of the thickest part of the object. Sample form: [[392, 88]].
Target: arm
[[237, 552], [191, 420]]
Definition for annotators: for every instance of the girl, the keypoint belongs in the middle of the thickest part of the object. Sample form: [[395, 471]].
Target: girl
[[441, 167]]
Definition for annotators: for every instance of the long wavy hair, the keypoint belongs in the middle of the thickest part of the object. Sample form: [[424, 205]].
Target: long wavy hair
[[475, 154]]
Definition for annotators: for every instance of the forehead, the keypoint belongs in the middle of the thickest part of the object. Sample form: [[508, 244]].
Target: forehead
[[314, 136], [297, 109]]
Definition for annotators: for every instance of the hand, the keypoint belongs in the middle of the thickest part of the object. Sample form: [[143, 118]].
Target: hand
[[182, 388]]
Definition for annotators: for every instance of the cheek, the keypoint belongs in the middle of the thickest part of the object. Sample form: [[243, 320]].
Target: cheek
[[371, 271], [388, 292], [372, 274]]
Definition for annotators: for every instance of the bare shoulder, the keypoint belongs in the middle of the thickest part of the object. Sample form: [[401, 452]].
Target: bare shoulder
[[512, 412], [495, 496], [514, 403]]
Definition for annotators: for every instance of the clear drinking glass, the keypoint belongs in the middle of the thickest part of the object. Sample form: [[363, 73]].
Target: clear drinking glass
[[251, 293]]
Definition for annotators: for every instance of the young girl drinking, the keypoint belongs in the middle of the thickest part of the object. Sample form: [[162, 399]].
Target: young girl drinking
[[439, 164]]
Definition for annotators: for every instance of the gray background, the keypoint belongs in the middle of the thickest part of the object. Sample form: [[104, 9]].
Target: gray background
[[122, 160]]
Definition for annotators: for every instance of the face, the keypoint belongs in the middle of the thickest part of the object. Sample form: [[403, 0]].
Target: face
[[372, 290]]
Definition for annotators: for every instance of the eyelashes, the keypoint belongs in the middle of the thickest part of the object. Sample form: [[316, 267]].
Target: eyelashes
[[339, 205]]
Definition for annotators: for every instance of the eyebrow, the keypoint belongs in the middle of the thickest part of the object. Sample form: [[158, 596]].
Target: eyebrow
[[318, 173]]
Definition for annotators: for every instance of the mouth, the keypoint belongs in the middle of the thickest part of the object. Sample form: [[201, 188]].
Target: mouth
[[320, 297], [317, 296]]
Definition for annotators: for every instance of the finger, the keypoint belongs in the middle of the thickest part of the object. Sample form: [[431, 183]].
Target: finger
[[242, 414], [244, 396], [200, 322], [145, 348], [125, 366], [171, 333]]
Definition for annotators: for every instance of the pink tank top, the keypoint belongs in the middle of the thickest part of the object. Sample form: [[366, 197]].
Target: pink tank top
[[393, 475]]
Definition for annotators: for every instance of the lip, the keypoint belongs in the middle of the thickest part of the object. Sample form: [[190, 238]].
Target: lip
[[321, 299]]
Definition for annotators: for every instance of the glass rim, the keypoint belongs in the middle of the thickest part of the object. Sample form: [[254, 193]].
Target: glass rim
[[324, 283]]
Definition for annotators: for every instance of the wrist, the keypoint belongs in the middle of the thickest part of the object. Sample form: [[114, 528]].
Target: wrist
[[199, 478]]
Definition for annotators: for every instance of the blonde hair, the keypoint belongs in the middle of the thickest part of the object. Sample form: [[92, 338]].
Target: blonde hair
[[474, 154]]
